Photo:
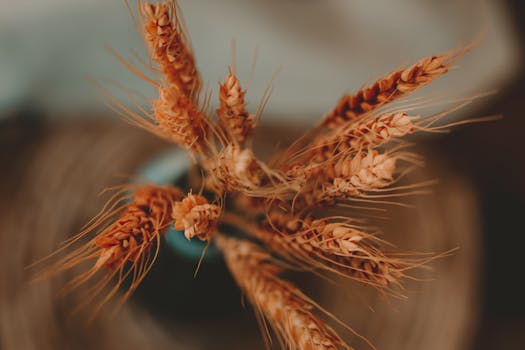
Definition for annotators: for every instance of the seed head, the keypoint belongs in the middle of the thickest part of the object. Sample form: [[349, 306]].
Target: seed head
[[196, 217]]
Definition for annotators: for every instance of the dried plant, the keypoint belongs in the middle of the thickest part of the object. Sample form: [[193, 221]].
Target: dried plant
[[355, 154]]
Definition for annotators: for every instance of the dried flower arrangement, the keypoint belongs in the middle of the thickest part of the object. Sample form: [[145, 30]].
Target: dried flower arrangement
[[354, 157]]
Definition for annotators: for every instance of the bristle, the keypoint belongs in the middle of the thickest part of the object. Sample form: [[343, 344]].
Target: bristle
[[397, 84], [196, 217], [233, 116], [287, 309]]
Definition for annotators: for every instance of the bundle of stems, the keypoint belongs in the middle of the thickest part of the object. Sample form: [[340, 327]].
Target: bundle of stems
[[355, 156]]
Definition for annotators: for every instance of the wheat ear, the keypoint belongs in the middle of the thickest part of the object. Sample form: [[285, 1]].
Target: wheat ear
[[395, 85], [330, 245], [176, 112], [367, 133], [347, 177], [233, 116], [122, 249], [284, 306], [170, 48], [196, 217], [355, 175]]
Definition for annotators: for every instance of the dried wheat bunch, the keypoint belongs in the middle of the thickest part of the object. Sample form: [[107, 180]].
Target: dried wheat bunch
[[356, 154]]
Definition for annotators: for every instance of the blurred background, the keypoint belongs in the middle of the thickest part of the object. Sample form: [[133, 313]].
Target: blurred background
[[49, 48]]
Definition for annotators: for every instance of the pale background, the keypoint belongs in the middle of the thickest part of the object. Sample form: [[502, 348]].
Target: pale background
[[326, 47]]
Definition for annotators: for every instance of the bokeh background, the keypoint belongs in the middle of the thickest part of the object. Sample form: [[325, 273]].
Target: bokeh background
[[50, 48]]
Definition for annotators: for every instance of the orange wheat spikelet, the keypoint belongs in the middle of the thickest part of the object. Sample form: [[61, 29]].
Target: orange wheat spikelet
[[167, 39], [196, 217], [287, 309], [122, 249], [397, 84], [233, 116]]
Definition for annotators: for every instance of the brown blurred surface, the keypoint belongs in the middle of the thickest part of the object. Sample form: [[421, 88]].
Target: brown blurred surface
[[493, 158]]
